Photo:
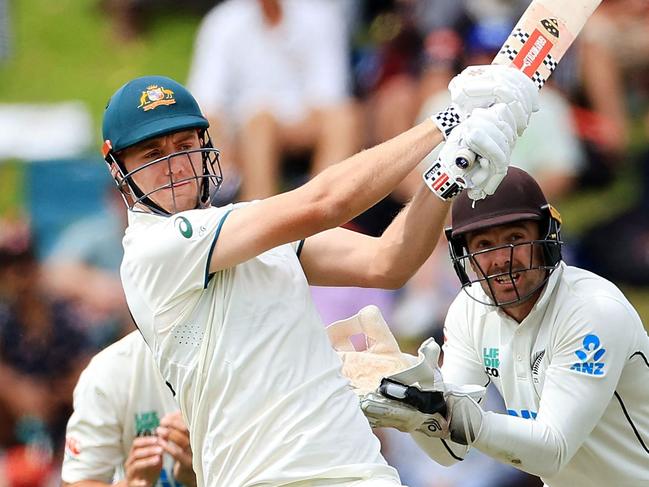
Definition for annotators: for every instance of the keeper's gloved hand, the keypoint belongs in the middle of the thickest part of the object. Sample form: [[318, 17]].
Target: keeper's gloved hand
[[488, 132], [406, 408], [483, 86], [454, 413], [412, 399]]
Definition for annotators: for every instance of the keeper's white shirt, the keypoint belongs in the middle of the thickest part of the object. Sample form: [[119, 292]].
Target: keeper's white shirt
[[120, 395], [574, 376], [244, 349]]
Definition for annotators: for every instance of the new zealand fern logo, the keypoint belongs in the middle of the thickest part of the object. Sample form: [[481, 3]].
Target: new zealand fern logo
[[184, 227]]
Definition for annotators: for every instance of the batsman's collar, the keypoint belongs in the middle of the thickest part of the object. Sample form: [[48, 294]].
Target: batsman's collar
[[149, 107]]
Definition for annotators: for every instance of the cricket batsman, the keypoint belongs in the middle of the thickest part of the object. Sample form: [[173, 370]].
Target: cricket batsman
[[221, 294]]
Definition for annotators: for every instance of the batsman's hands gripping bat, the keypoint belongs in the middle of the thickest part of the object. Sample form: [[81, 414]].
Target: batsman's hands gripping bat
[[491, 132], [539, 40], [483, 86]]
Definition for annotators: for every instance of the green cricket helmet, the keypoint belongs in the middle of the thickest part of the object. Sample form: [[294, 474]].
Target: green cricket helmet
[[150, 107]]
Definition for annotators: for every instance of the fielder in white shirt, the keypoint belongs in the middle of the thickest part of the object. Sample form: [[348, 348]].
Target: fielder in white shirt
[[221, 295], [124, 421], [563, 346]]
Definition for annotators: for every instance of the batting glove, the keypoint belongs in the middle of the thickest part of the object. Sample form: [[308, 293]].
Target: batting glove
[[488, 132], [484, 86]]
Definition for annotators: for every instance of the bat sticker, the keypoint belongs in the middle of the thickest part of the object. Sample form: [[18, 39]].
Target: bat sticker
[[552, 26], [533, 52]]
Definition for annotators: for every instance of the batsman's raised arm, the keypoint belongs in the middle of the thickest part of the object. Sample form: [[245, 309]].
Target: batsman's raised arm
[[332, 198], [345, 190]]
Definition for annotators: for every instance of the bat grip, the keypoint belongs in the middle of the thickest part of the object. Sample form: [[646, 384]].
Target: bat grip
[[464, 158]]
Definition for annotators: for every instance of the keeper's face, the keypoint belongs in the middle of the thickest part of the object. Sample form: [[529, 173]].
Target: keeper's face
[[162, 168], [506, 261]]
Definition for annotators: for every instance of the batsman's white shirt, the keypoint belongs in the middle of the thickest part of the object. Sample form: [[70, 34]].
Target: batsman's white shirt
[[573, 374], [244, 349], [120, 395]]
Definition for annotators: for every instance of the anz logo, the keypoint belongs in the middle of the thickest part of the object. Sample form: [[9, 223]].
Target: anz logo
[[589, 357]]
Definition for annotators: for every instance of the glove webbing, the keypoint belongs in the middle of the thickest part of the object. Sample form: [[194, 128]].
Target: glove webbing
[[429, 402]]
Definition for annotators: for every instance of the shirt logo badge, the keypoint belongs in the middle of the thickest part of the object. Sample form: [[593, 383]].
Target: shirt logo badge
[[536, 364], [184, 227], [154, 96], [490, 357], [146, 423], [589, 357]]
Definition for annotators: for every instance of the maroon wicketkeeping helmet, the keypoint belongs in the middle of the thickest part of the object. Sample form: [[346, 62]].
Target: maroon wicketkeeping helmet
[[518, 198]]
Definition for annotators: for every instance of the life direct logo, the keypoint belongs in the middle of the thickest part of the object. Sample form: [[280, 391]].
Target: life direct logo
[[592, 366]]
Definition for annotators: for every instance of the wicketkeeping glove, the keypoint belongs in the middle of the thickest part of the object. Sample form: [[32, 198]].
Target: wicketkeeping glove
[[466, 415], [413, 399]]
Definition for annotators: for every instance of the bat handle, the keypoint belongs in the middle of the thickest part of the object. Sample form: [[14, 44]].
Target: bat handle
[[464, 158]]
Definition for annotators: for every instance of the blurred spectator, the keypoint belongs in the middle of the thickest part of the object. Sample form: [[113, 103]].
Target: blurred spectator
[[130, 18], [83, 268], [387, 65], [616, 66], [387, 50], [627, 261], [272, 77], [41, 354]]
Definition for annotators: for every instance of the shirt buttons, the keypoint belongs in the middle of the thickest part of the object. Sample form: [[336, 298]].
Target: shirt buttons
[[519, 358]]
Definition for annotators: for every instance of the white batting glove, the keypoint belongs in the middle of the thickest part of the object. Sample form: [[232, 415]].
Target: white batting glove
[[488, 132], [483, 86], [465, 414]]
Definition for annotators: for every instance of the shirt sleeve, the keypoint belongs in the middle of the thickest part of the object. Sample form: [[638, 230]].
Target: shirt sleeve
[[173, 258], [93, 446], [588, 355]]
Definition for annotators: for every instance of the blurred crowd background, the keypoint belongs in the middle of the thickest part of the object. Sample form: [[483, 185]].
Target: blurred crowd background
[[290, 87]]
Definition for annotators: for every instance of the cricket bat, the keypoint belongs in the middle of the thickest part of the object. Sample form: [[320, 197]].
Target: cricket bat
[[539, 40]]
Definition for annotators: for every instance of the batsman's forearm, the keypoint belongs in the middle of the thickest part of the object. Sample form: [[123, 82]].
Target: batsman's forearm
[[412, 236], [359, 182]]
